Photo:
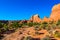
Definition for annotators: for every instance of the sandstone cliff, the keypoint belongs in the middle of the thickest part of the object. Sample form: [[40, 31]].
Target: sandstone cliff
[[55, 14]]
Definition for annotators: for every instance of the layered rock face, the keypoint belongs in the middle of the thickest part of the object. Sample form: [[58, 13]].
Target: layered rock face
[[35, 18], [55, 15]]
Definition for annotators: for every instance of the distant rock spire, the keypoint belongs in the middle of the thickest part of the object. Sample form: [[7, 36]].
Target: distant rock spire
[[35, 18]]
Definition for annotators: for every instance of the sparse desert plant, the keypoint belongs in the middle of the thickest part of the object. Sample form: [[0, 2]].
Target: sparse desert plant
[[58, 22], [1, 36], [57, 34], [24, 25], [36, 24], [53, 26], [48, 28], [1, 25], [37, 28], [28, 38], [39, 33], [30, 24], [44, 25], [46, 38], [51, 22], [31, 38], [15, 25], [5, 27]]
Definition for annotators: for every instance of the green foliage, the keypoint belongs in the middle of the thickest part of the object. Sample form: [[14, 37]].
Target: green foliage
[[24, 24], [57, 34], [38, 33], [28, 38], [36, 24], [51, 22], [53, 26], [33, 24], [48, 28], [1, 25], [15, 25], [5, 27], [44, 25], [37, 28], [58, 23], [20, 25], [30, 24], [46, 38]]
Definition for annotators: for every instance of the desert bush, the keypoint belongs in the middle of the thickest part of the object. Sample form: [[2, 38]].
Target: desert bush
[[23, 25], [46, 38], [36, 24], [5, 27], [57, 34], [58, 23], [39, 33], [15, 25], [53, 26], [37, 28], [1, 36], [48, 28], [30, 24], [51, 22], [28, 38], [1, 25], [44, 25]]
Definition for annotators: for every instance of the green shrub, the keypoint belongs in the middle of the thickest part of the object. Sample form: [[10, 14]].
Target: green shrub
[[36, 24], [30, 24], [37, 28], [15, 25], [28, 38], [57, 34], [1, 25], [58, 23], [46, 38], [44, 25], [5, 27]]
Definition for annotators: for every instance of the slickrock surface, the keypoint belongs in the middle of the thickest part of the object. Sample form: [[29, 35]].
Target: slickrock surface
[[23, 32]]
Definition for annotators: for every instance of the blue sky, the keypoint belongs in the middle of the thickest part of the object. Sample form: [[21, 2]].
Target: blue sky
[[24, 9]]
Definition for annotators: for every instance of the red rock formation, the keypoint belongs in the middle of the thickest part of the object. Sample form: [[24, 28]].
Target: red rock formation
[[45, 19], [35, 18], [55, 15]]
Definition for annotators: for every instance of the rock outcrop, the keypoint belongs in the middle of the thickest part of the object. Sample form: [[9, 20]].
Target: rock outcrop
[[55, 14], [45, 19], [35, 18]]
